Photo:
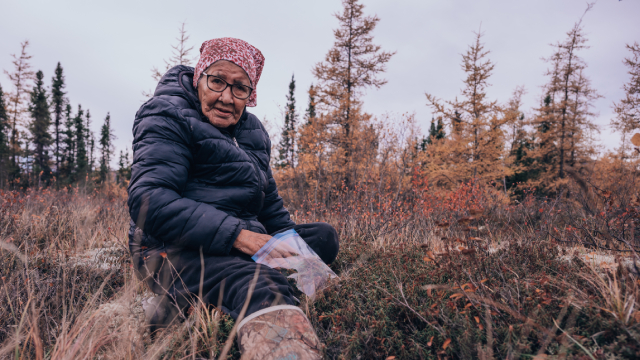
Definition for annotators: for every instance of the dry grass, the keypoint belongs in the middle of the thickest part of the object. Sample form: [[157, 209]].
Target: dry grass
[[460, 274]]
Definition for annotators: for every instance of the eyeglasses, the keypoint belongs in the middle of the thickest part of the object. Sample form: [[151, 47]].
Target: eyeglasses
[[216, 84]]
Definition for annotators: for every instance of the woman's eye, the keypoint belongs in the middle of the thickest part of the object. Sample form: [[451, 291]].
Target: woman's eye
[[217, 81], [241, 90]]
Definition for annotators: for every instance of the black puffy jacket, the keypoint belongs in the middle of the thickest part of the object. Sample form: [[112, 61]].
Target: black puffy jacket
[[194, 185]]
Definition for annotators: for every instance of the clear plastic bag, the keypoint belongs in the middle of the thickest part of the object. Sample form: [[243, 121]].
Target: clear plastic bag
[[287, 250]]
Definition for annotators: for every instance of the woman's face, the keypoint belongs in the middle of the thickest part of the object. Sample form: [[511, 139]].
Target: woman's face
[[222, 108]]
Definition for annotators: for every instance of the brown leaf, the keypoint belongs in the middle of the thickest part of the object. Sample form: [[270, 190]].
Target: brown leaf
[[430, 342], [467, 251], [443, 224], [635, 139], [446, 344], [390, 357], [433, 286], [466, 220]]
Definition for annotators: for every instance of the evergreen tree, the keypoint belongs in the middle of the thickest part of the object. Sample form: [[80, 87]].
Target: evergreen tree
[[124, 167], [68, 141], [436, 132], [80, 146], [440, 134], [309, 116], [4, 146], [310, 112], [287, 140], [39, 128], [18, 104], [432, 132], [90, 140], [106, 148], [57, 102], [92, 150]]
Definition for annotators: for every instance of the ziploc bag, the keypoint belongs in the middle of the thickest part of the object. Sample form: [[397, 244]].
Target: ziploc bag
[[287, 250]]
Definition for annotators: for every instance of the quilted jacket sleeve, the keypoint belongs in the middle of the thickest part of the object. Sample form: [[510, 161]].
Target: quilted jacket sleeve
[[274, 216], [161, 162]]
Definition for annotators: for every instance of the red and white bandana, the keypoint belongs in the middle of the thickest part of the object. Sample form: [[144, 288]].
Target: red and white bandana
[[238, 52]]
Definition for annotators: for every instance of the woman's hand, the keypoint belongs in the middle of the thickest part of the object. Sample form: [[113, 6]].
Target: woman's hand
[[250, 242]]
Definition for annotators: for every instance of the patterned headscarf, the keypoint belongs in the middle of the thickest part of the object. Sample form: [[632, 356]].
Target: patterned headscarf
[[238, 52]]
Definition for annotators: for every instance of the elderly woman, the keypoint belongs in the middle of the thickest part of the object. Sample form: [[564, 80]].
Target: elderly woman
[[203, 200]]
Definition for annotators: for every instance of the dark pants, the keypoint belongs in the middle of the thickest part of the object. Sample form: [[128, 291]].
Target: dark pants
[[225, 281]]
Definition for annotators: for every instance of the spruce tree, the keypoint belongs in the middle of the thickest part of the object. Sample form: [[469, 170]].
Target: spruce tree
[[305, 132], [287, 141], [39, 128], [91, 144], [80, 146], [90, 140], [4, 146], [124, 167], [310, 112], [440, 134], [57, 103], [436, 132], [432, 131], [68, 141], [106, 148]]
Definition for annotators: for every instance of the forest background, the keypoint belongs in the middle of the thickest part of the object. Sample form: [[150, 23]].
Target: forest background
[[497, 226]]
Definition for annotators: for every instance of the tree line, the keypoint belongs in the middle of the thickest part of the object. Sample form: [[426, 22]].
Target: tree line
[[471, 137], [44, 141], [334, 144]]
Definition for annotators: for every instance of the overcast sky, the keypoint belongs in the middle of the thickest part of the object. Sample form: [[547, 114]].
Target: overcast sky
[[107, 48]]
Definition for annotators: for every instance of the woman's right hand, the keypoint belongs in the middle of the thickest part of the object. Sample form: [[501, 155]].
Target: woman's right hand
[[250, 242]]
